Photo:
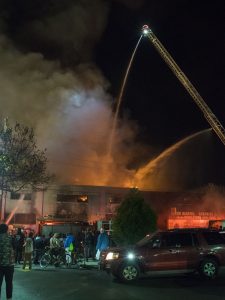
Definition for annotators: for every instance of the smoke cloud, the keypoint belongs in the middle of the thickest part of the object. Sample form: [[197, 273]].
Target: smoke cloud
[[48, 81], [62, 30], [69, 107]]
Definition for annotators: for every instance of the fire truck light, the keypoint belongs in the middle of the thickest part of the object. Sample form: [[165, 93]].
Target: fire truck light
[[145, 29]]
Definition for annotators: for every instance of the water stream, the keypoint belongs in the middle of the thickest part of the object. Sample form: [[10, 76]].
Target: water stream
[[159, 161], [115, 118], [19, 202]]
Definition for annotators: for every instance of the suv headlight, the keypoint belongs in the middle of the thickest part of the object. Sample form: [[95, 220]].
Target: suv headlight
[[131, 255], [112, 255]]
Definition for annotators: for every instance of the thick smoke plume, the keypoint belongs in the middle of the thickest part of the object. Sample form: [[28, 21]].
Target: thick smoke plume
[[48, 81], [69, 108]]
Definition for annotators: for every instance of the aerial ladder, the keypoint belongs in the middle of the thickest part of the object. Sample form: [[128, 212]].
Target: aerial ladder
[[208, 114]]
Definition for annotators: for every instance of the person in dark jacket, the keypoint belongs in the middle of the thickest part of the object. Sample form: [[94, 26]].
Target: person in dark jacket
[[19, 242], [6, 260], [88, 241], [39, 248]]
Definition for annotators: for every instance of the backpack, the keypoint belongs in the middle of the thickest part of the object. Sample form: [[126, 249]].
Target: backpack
[[71, 247]]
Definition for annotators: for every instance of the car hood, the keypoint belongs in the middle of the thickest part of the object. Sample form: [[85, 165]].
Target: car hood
[[124, 249]]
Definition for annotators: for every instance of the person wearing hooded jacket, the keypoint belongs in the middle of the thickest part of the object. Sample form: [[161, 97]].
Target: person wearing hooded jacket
[[102, 242], [69, 245]]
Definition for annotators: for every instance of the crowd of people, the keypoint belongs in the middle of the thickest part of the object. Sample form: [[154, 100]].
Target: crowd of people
[[26, 248]]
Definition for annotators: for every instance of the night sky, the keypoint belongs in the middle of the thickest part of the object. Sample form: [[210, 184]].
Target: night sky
[[194, 34], [91, 43]]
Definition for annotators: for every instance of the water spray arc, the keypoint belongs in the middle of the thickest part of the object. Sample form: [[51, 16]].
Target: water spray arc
[[162, 157], [208, 114], [115, 118]]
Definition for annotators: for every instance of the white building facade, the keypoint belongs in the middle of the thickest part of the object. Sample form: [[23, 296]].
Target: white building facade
[[78, 203]]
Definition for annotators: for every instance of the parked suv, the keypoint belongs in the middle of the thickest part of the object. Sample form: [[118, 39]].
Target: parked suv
[[171, 251]]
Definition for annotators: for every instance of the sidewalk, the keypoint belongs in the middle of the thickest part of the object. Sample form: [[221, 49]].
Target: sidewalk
[[90, 264]]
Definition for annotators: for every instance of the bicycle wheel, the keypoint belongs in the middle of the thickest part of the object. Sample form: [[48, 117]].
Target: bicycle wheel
[[45, 260], [62, 259]]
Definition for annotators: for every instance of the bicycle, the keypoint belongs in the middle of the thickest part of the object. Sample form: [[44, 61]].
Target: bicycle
[[63, 258]]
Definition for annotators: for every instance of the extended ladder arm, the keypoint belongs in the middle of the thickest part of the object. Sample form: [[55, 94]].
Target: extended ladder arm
[[210, 117]]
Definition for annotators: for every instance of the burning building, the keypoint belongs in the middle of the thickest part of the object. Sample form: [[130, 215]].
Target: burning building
[[90, 204]]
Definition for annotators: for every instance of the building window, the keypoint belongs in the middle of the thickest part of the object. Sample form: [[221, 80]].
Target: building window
[[28, 196], [23, 219], [72, 198], [65, 198], [17, 196], [82, 198], [114, 199]]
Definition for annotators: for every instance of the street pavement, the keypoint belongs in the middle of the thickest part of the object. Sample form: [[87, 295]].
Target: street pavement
[[40, 283], [88, 283]]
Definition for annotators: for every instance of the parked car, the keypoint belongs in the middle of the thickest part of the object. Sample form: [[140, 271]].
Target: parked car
[[172, 251]]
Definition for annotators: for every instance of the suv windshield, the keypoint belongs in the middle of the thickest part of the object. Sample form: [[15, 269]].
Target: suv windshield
[[146, 239]]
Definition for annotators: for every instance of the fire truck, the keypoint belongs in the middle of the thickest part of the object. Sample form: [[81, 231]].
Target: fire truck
[[49, 225]]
